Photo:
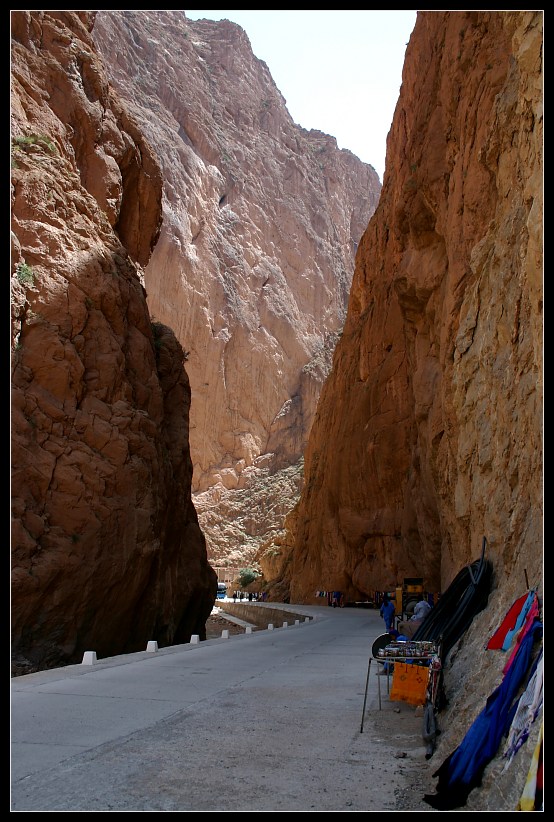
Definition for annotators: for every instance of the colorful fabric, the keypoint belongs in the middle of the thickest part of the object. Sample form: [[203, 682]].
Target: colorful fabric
[[462, 770], [508, 639], [409, 683], [532, 614], [527, 711], [497, 639], [531, 798]]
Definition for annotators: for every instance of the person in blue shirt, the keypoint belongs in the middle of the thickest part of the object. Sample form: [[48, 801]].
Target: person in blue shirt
[[387, 611]]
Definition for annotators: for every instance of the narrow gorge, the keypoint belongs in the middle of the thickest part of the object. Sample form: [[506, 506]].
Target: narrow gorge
[[230, 345], [261, 222]]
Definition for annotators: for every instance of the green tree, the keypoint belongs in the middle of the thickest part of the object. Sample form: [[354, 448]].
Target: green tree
[[246, 576]]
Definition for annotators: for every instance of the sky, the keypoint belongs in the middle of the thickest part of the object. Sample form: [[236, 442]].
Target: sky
[[339, 71]]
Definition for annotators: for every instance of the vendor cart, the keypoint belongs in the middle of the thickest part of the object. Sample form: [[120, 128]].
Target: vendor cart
[[424, 659], [417, 669]]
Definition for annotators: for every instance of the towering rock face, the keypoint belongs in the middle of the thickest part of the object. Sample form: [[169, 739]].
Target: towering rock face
[[106, 548], [255, 259], [428, 432]]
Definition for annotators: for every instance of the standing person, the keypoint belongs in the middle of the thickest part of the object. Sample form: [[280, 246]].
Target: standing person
[[387, 611]]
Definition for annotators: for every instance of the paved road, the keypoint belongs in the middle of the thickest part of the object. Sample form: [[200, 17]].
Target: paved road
[[266, 721]]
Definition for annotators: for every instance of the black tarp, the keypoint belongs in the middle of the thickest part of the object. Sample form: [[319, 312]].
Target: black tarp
[[465, 597]]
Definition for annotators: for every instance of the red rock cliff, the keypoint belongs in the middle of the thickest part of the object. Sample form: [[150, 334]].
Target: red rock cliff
[[428, 432], [106, 548], [253, 268]]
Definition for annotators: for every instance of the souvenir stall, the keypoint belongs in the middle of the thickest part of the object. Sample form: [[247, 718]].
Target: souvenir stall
[[415, 669]]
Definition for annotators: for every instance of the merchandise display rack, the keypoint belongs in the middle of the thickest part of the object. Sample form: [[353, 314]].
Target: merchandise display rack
[[423, 653]]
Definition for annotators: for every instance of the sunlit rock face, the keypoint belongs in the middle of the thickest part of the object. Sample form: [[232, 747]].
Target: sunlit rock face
[[107, 552], [427, 441], [428, 432], [261, 222]]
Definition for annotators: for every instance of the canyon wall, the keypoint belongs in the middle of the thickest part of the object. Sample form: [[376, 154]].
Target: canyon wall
[[428, 431], [433, 406], [428, 435], [107, 552], [261, 222]]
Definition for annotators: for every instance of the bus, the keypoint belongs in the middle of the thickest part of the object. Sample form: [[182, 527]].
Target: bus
[[221, 590]]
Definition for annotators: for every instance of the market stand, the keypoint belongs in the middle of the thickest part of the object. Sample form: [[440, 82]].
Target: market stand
[[417, 671]]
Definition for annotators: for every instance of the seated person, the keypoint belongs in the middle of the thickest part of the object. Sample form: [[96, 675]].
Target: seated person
[[421, 609], [410, 626]]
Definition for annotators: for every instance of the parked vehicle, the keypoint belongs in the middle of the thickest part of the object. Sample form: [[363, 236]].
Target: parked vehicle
[[411, 590]]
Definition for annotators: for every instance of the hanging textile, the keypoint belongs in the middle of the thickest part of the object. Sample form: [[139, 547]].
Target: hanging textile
[[532, 614], [532, 797], [528, 707], [508, 623], [530, 600], [409, 683], [463, 768]]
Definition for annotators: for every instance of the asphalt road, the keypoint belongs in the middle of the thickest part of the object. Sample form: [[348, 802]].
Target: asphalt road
[[269, 721]]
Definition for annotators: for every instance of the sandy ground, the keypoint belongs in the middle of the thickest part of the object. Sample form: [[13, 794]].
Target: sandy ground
[[215, 624]]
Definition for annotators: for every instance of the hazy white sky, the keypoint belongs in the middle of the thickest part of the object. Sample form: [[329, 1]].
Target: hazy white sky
[[339, 71]]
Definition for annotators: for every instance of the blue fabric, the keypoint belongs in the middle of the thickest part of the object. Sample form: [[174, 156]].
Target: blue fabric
[[463, 769], [519, 621]]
